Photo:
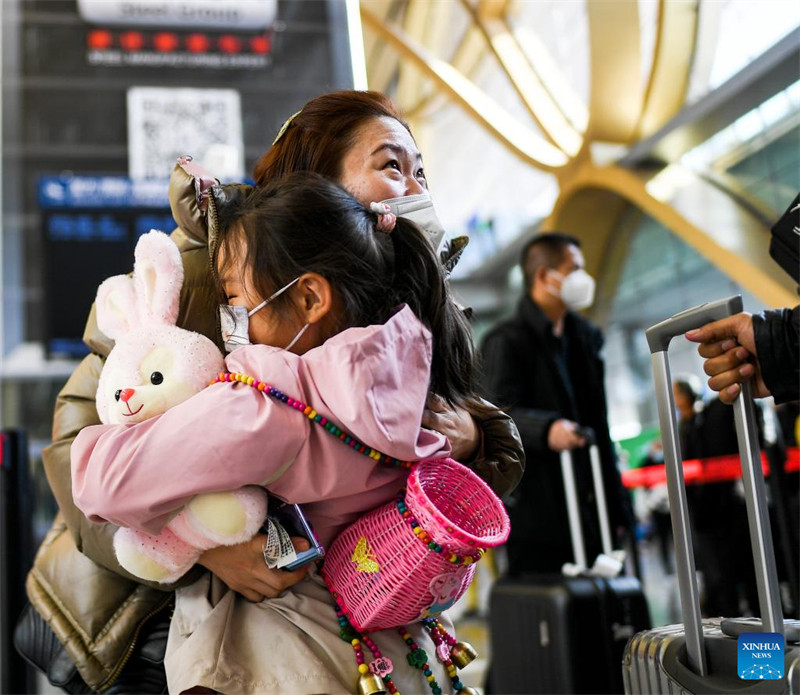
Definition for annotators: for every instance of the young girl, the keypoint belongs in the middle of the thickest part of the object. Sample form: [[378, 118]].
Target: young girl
[[347, 311]]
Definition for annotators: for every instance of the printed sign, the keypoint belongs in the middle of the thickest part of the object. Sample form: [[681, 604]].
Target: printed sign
[[208, 14], [761, 656], [164, 124], [80, 192]]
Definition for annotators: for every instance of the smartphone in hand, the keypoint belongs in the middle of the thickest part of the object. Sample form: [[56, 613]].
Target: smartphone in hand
[[291, 517]]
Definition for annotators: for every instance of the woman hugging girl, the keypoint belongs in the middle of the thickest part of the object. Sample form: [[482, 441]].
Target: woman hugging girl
[[343, 308]]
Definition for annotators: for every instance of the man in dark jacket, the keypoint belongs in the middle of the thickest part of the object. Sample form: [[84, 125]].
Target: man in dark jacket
[[763, 349], [544, 364]]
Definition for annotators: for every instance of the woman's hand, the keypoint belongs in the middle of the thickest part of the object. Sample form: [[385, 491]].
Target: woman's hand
[[243, 569], [454, 423]]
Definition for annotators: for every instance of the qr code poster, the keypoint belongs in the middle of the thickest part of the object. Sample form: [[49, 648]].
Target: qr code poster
[[164, 124]]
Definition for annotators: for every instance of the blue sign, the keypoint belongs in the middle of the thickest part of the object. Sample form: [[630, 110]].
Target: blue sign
[[761, 656], [59, 192], [144, 223], [85, 227]]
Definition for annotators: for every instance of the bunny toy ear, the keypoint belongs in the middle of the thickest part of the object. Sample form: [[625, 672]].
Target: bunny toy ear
[[117, 313], [158, 276]]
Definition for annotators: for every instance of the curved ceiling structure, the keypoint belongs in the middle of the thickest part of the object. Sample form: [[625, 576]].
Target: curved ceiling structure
[[423, 53]]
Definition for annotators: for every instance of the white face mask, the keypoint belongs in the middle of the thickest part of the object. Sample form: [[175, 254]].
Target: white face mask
[[235, 322], [419, 209], [577, 289]]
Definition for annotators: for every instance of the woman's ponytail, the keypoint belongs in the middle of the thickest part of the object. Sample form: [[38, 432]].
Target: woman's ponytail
[[419, 281]]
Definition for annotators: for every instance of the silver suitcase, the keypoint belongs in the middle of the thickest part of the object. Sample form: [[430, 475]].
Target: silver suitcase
[[700, 656]]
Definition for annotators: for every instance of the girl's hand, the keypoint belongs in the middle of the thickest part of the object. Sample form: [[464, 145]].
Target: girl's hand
[[454, 423], [243, 569]]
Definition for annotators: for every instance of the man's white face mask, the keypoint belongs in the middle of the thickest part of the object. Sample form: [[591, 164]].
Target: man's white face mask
[[235, 322], [419, 209], [577, 289]]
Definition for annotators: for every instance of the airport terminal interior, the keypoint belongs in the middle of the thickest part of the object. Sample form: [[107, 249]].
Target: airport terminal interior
[[663, 135]]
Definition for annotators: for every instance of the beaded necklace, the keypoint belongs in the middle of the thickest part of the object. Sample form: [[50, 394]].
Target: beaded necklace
[[312, 415]]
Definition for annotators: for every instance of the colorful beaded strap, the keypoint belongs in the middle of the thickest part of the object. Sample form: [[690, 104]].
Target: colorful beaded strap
[[423, 535], [378, 673], [312, 415], [353, 443]]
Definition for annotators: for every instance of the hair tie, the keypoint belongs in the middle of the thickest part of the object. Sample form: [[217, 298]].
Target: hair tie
[[386, 218], [285, 126]]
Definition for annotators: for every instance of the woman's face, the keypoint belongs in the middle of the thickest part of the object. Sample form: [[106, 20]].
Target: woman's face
[[383, 163]]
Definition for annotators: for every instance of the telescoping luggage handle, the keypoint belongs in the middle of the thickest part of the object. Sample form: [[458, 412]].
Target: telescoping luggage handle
[[573, 513], [658, 339]]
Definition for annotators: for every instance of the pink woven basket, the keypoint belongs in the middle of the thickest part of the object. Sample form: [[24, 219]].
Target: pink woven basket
[[384, 575]]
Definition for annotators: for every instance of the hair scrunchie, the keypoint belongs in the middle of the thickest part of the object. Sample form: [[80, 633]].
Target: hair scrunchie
[[386, 218]]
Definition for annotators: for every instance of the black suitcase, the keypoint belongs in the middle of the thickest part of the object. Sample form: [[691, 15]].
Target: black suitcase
[[702, 655], [565, 634]]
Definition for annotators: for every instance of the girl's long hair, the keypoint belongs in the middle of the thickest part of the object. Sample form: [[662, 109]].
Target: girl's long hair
[[305, 223]]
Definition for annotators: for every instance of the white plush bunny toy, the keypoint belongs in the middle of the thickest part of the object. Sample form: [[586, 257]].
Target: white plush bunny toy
[[153, 366]]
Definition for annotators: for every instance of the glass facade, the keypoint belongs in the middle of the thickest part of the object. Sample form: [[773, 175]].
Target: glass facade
[[661, 276], [772, 174], [747, 29]]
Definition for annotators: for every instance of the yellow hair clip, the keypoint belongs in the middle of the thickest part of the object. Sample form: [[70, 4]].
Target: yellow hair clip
[[285, 126]]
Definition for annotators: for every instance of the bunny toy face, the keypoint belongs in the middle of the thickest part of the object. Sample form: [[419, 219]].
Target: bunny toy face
[[147, 374], [154, 364]]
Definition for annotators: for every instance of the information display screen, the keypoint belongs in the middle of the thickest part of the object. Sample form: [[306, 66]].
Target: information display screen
[[91, 225]]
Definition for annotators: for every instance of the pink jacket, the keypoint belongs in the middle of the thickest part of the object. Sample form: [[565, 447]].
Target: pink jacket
[[371, 382]]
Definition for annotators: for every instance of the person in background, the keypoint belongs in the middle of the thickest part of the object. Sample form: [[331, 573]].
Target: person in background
[[544, 364], [788, 415], [716, 510], [656, 503]]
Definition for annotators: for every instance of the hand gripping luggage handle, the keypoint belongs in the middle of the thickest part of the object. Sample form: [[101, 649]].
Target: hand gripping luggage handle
[[573, 513], [658, 339], [660, 335]]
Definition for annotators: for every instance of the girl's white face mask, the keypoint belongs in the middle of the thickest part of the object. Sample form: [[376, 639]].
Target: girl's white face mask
[[419, 209], [235, 322], [577, 289]]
